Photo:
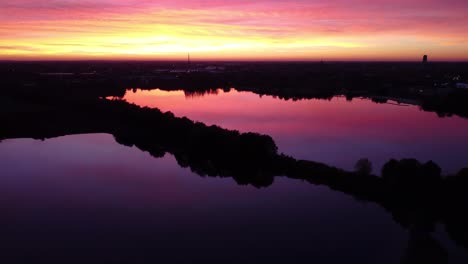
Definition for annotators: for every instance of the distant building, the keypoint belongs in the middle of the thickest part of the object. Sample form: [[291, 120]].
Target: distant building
[[424, 59]]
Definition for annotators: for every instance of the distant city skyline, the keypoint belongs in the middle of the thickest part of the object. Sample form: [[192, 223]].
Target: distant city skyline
[[398, 30]]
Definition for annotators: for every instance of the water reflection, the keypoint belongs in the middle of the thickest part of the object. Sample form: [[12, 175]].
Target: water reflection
[[333, 131]]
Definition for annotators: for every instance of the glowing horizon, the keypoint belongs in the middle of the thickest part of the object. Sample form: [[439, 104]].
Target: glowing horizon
[[234, 30]]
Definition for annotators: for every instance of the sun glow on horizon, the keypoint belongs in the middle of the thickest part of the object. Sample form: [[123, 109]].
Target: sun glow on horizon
[[239, 29]]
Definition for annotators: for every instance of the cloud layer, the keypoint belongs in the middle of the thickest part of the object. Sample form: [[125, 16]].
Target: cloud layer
[[238, 29]]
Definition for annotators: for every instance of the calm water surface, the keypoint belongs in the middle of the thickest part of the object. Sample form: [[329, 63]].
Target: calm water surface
[[336, 132], [88, 199], [89, 195]]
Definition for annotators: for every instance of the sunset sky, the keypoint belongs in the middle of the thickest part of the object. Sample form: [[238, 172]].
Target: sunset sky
[[234, 30]]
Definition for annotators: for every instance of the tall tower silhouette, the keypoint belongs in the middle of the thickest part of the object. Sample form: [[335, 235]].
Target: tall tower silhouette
[[188, 62]]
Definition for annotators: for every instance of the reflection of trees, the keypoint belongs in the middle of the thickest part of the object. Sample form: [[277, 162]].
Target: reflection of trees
[[422, 248], [200, 93]]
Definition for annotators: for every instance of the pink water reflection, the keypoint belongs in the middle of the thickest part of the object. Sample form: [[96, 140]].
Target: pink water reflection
[[336, 132]]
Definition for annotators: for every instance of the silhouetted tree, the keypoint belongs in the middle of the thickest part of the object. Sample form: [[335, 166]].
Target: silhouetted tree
[[363, 166]]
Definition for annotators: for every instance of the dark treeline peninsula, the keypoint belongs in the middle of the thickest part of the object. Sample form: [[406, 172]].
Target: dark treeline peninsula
[[415, 194]]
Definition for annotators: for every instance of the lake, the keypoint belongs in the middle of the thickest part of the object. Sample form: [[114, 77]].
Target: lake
[[87, 199]]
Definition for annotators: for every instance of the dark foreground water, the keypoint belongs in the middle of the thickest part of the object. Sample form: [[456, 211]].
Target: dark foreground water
[[88, 199], [85, 197]]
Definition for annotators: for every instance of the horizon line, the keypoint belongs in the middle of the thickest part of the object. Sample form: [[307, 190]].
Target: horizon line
[[231, 60]]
